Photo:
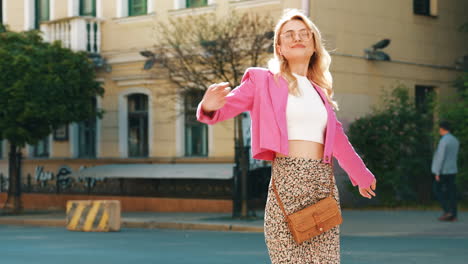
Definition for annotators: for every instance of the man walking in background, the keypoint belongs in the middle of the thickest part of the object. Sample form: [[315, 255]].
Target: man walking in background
[[444, 166]]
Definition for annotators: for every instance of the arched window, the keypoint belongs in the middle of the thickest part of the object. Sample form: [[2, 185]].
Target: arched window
[[137, 125], [196, 133], [87, 136]]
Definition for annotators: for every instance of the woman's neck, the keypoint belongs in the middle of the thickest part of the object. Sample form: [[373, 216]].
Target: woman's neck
[[299, 68]]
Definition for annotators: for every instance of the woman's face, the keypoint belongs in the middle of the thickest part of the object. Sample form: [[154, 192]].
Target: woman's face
[[296, 41]]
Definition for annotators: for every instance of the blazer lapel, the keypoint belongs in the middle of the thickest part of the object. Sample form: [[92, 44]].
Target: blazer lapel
[[279, 99], [331, 123]]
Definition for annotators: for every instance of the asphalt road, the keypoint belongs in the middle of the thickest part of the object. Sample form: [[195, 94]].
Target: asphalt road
[[20, 245]]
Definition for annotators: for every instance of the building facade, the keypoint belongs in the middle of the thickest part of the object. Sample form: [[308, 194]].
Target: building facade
[[141, 126]]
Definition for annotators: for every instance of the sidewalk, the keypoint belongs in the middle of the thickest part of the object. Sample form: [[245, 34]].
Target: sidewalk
[[355, 222]]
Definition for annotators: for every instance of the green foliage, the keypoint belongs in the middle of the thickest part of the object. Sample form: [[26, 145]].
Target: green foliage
[[455, 110], [395, 142], [42, 86]]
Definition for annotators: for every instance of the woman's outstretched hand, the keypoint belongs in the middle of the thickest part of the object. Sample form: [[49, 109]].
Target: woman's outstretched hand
[[214, 97], [367, 192]]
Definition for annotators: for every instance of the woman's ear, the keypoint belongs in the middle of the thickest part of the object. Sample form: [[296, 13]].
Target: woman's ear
[[278, 50]]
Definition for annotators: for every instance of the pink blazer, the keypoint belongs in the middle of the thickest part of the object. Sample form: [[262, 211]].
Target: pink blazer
[[266, 101]]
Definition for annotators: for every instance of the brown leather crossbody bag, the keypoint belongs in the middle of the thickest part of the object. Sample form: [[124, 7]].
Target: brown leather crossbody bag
[[314, 219]]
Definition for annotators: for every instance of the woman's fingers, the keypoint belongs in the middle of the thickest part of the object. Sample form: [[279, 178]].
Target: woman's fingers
[[370, 191], [364, 193], [367, 192], [219, 90], [218, 87]]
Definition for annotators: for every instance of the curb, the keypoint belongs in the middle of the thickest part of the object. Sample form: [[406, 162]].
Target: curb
[[146, 225], [192, 226], [33, 222]]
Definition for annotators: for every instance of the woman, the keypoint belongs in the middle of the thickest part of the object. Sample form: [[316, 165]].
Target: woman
[[295, 127]]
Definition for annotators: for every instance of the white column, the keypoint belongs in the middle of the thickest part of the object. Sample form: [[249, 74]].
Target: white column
[[29, 14], [211, 2], [73, 8], [178, 4], [122, 8], [99, 13], [4, 12], [52, 9], [150, 7]]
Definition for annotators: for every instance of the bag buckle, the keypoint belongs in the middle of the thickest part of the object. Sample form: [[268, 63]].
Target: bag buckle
[[318, 222]]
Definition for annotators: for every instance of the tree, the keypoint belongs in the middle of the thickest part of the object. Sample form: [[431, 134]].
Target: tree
[[395, 141], [42, 86], [197, 51], [455, 110]]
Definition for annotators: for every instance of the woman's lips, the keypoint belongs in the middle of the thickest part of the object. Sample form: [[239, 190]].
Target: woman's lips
[[298, 46]]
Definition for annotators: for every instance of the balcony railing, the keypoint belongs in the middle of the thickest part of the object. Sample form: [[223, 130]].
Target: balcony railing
[[76, 33]]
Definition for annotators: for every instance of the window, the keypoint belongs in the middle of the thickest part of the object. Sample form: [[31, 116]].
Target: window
[[196, 3], [422, 96], [137, 7], [88, 8], [196, 133], [87, 137], [42, 12], [425, 7], [137, 125], [41, 149]]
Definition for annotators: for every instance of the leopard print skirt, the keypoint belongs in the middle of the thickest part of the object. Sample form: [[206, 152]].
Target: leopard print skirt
[[300, 182]]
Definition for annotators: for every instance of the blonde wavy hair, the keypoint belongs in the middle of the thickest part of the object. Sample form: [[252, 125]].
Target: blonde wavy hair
[[319, 66]]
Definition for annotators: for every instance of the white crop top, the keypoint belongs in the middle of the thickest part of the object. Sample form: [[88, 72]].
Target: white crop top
[[306, 115]]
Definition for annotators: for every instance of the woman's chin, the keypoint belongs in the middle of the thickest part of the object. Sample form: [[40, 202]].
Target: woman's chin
[[298, 56]]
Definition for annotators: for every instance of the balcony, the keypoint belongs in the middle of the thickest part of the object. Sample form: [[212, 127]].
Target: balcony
[[76, 33]]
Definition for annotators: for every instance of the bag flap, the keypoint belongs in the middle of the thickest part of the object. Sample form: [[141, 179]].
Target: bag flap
[[304, 219]]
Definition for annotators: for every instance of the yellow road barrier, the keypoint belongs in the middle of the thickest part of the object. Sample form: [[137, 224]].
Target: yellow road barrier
[[93, 216]]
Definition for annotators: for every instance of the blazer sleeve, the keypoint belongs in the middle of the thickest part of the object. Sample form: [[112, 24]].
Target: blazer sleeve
[[238, 100], [439, 157], [349, 160]]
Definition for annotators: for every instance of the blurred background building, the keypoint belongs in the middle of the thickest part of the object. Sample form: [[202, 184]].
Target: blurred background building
[[154, 155]]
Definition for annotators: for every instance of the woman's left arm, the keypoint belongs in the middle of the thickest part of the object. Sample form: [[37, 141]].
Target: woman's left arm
[[350, 161]]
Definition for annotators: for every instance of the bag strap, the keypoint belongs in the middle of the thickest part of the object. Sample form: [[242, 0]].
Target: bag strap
[[281, 203]]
